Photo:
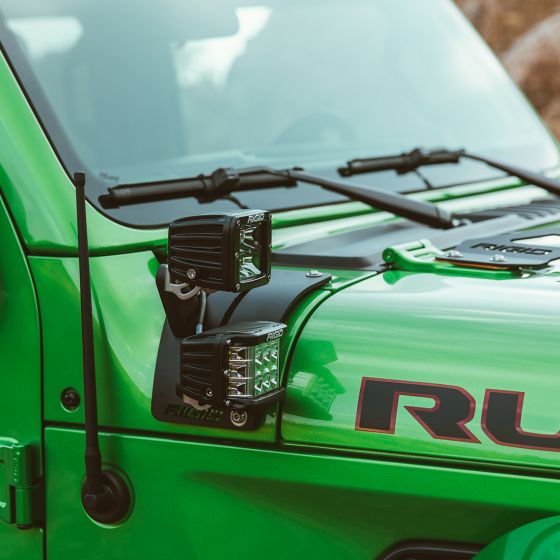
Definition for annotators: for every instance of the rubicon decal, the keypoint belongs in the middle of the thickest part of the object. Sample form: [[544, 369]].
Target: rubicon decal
[[452, 408], [501, 421]]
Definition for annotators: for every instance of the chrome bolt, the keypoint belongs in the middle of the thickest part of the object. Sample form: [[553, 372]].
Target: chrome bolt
[[209, 393], [454, 254], [314, 273], [191, 274], [238, 418], [499, 258]]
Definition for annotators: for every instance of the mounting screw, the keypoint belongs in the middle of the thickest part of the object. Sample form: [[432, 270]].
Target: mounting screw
[[454, 254], [70, 399], [499, 258], [314, 274], [209, 393], [238, 418], [191, 274]]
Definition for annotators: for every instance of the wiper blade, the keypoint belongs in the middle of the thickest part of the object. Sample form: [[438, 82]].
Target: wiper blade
[[401, 163], [223, 182], [411, 161]]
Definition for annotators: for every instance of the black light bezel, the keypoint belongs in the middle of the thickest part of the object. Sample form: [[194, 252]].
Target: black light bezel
[[203, 250], [204, 363]]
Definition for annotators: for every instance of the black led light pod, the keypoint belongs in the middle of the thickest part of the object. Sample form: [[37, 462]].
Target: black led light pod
[[233, 366], [229, 252]]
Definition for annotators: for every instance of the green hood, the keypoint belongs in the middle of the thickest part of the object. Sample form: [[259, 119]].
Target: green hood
[[471, 333]]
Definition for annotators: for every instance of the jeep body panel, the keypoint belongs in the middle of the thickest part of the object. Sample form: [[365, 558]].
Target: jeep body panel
[[477, 334]]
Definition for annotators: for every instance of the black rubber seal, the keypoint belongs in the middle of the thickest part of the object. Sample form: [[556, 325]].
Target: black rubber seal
[[113, 506]]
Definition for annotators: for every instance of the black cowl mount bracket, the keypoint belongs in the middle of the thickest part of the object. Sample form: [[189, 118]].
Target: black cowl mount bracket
[[271, 302]]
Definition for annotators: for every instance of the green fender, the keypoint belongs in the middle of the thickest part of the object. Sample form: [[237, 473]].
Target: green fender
[[537, 541]]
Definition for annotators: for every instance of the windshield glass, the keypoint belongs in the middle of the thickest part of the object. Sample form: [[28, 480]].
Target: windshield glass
[[138, 91]]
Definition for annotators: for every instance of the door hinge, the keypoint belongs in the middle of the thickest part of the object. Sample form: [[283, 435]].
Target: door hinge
[[16, 484]]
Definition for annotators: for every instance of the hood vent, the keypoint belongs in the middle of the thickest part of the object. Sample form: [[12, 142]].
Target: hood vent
[[533, 211], [362, 249]]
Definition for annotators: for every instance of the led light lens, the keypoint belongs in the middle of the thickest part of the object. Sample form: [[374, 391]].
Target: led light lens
[[249, 268], [239, 366], [253, 371], [248, 241], [250, 252]]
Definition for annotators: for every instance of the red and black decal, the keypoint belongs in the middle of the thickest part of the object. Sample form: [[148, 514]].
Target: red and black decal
[[452, 408], [501, 421]]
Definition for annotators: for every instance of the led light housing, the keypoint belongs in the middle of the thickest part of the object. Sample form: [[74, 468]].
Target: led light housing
[[229, 252], [237, 365]]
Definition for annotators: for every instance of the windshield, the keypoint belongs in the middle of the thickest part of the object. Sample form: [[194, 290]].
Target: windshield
[[139, 91]]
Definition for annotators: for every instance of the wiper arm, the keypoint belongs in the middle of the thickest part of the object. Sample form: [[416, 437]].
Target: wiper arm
[[223, 182], [401, 205], [537, 179], [411, 161]]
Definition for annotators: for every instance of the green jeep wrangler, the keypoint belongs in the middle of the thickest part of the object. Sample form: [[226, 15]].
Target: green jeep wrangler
[[277, 280]]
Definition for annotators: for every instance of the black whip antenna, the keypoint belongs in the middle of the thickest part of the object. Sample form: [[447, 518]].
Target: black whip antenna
[[105, 494]]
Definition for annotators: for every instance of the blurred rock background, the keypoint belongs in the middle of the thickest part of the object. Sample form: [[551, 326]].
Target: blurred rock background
[[526, 36]]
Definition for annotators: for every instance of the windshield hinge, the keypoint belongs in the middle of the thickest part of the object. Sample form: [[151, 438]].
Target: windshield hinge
[[16, 484]]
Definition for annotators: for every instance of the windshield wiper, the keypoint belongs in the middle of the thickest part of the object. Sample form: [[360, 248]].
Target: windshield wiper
[[410, 161], [224, 182]]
